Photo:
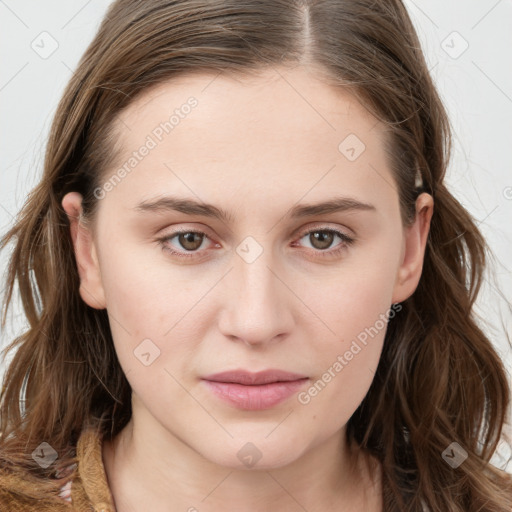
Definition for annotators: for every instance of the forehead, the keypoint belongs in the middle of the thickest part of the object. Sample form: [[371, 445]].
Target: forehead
[[293, 100], [223, 134]]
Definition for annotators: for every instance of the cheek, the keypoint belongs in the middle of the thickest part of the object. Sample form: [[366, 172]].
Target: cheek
[[147, 297], [346, 363], [141, 287], [356, 306], [356, 294], [146, 302]]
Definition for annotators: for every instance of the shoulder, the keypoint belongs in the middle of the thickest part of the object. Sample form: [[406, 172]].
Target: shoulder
[[19, 493], [93, 479], [80, 486], [23, 490]]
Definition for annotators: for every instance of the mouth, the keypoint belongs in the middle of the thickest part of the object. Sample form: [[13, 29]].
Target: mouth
[[254, 391]]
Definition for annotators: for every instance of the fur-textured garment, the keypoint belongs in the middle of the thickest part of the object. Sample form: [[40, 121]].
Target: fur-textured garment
[[89, 488]]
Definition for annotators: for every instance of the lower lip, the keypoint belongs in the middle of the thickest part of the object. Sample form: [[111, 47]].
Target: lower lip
[[254, 398]]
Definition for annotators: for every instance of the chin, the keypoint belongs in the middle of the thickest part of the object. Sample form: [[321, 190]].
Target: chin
[[254, 456]]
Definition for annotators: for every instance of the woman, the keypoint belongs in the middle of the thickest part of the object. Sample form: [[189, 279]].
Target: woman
[[247, 284]]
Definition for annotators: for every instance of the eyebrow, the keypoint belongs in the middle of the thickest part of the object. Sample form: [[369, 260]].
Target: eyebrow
[[192, 207]]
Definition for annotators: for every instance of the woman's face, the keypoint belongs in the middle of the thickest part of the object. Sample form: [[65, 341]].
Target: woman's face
[[270, 281]]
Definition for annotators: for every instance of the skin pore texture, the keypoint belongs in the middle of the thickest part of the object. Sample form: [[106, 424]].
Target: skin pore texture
[[281, 299]]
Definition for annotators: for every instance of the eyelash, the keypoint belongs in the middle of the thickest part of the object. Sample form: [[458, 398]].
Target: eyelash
[[347, 241]]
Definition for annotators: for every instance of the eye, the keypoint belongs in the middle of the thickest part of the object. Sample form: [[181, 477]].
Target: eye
[[322, 238], [189, 242]]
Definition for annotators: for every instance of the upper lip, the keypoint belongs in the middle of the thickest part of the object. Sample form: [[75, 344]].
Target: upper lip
[[251, 378]]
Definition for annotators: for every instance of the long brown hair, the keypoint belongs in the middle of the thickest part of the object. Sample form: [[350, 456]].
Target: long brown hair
[[439, 380]]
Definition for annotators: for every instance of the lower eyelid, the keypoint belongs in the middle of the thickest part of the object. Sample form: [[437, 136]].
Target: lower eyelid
[[344, 237], [168, 238], [346, 240]]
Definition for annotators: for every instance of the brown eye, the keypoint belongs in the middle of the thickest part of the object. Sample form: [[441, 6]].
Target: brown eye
[[322, 239], [184, 244], [191, 241], [187, 244]]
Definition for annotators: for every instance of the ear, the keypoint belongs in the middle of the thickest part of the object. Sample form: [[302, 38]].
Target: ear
[[413, 251], [91, 286]]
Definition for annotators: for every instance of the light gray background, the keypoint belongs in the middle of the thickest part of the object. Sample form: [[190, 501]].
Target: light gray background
[[467, 45]]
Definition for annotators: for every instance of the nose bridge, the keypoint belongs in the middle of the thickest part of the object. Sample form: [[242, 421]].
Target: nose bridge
[[257, 307]]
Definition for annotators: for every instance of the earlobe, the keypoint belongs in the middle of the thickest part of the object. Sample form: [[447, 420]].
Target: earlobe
[[415, 241], [91, 286]]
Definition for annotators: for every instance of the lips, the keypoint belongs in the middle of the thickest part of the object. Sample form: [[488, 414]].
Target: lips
[[248, 378], [254, 391]]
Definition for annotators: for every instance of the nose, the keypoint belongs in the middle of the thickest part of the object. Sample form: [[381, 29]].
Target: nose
[[258, 304]]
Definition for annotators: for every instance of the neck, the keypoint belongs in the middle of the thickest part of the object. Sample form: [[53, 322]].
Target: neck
[[148, 468]]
